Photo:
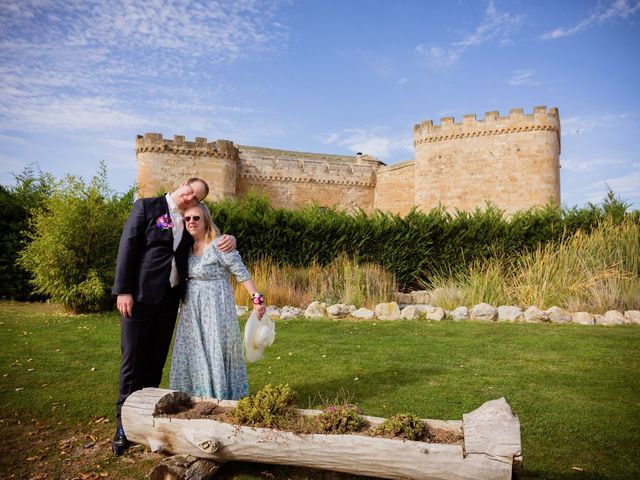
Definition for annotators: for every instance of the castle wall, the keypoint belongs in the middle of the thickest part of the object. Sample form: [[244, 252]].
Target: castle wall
[[395, 190], [163, 164], [511, 161], [298, 178]]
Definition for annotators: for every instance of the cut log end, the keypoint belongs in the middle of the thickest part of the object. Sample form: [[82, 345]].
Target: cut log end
[[184, 467], [173, 402]]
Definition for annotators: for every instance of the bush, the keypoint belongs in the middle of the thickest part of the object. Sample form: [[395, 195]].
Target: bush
[[415, 248], [74, 243], [17, 204], [269, 407], [402, 426], [343, 418]]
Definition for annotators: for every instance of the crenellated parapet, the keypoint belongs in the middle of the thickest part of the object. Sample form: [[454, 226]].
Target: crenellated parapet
[[268, 165], [155, 143], [542, 119]]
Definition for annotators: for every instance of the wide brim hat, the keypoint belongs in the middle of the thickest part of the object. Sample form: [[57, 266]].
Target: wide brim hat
[[258, 334]]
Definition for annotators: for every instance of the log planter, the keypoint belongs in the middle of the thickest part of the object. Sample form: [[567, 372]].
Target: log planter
[[491, 449]]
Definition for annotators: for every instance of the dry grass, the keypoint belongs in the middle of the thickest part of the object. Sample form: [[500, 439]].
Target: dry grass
[[592, 272], [342, 281]]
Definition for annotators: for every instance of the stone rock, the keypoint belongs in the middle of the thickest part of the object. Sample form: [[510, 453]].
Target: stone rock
[[535, 315], [388, 311], [352, 308], [421, 297], [460, 313], [273, 312], [338, 310], [484, 312], [404, 298], [411, 312], [558, 315], [584, 318], [290, 312], [612, 317], [363, 314], [241, 310], [509, 313], [434, 313], [632, 316], [315, 310]]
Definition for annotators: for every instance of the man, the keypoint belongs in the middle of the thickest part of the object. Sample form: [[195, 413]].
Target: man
[[151, 272]]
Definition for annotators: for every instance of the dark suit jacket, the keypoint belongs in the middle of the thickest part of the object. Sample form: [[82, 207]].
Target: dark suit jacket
[[145, 253]]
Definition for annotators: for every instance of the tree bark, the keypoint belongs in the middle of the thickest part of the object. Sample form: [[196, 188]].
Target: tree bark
[[491, 443], [184, 467]]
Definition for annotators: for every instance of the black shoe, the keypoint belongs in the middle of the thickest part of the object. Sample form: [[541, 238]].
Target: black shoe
[[120, 443]]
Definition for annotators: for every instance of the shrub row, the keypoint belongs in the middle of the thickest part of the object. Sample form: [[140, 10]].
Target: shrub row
[[414, 247]]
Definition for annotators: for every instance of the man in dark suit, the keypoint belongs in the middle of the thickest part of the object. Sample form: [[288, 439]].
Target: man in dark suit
[[151, 272]]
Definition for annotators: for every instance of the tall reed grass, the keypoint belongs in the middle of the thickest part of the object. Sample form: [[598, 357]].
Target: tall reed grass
[[341, 281], [594, 271]]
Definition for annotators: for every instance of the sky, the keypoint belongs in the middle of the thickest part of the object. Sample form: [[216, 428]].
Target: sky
[[79, 79]]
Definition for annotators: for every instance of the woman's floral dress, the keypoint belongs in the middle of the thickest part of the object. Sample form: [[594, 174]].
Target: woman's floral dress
[[207, 351]]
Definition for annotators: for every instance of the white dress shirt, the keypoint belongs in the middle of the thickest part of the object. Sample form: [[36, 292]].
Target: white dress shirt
[[178, 230]]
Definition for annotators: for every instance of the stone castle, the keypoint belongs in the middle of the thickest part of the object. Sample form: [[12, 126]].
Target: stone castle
[[511, 161]]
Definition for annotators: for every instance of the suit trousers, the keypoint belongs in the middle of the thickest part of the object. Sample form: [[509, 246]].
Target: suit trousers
[[145, 338]]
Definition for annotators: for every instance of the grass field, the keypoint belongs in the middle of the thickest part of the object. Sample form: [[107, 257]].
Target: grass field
[[576, 389]]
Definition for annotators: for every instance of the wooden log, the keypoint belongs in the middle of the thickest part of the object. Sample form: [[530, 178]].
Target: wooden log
[[357, 454], [184, 467]]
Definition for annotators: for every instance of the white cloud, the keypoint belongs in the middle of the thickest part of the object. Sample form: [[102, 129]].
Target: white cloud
[[495, 27], [89, 64], [625, 187], [614, 10], [582, 124], [376, 142], [522, 78], [588, 165]]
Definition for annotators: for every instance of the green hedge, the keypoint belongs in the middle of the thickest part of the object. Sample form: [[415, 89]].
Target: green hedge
[[412, 247]]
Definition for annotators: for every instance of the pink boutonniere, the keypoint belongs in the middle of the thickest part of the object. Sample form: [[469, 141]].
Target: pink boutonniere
[[164, 222]]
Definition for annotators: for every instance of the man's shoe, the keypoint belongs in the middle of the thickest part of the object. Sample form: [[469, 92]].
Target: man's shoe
[[120, 442]]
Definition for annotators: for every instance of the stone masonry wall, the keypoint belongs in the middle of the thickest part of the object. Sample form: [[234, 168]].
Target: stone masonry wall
[[299, 178], [512, 161], [395, 188], [164, 164]]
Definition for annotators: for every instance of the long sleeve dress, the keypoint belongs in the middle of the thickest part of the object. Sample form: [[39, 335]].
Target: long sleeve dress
[[207, 351]]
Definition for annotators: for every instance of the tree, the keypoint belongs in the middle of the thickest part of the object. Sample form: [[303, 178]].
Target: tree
[[74, 242], [16, 203]]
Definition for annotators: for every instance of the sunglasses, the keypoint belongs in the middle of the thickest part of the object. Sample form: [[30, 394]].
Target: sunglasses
[[196, 218]]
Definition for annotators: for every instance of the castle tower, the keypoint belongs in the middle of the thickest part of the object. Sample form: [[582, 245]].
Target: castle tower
[[511, 161], [163, 164]]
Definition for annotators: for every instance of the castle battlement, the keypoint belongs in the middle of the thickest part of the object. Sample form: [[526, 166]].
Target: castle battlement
[[154, 142], [542, 119], [511, 160]]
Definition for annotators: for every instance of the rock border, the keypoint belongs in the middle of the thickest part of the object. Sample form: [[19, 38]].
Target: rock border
[[482, 312]]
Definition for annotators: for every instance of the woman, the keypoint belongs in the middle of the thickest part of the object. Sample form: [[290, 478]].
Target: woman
[[207, 351]]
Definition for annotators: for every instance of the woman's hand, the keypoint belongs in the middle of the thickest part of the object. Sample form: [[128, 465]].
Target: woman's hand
[[260, 310]]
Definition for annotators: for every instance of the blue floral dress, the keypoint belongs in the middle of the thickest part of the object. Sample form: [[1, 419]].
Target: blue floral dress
[[207, 351]]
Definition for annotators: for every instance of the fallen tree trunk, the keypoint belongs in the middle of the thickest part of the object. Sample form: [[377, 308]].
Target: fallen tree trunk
[[184, 467], [491, 442]]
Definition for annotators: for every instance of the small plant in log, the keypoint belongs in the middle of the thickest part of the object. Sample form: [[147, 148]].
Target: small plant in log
[[269, 407], [345, 418], [402, 426]]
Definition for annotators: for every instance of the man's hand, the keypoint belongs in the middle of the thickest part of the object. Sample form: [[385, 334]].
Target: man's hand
[[227, 243], [125, 304]]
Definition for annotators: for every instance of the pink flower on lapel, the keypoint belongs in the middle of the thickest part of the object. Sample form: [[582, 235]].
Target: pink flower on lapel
[[164, 222]]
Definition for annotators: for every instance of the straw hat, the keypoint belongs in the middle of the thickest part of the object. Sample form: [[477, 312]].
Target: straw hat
[[258, 334]]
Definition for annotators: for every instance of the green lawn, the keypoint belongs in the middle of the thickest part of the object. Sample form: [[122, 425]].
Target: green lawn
[[576, 389]]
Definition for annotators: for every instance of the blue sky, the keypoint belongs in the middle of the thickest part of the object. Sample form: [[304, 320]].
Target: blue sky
[[80, 79]]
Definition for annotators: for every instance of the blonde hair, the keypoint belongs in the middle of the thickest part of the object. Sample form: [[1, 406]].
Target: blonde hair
[[211, 229]]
